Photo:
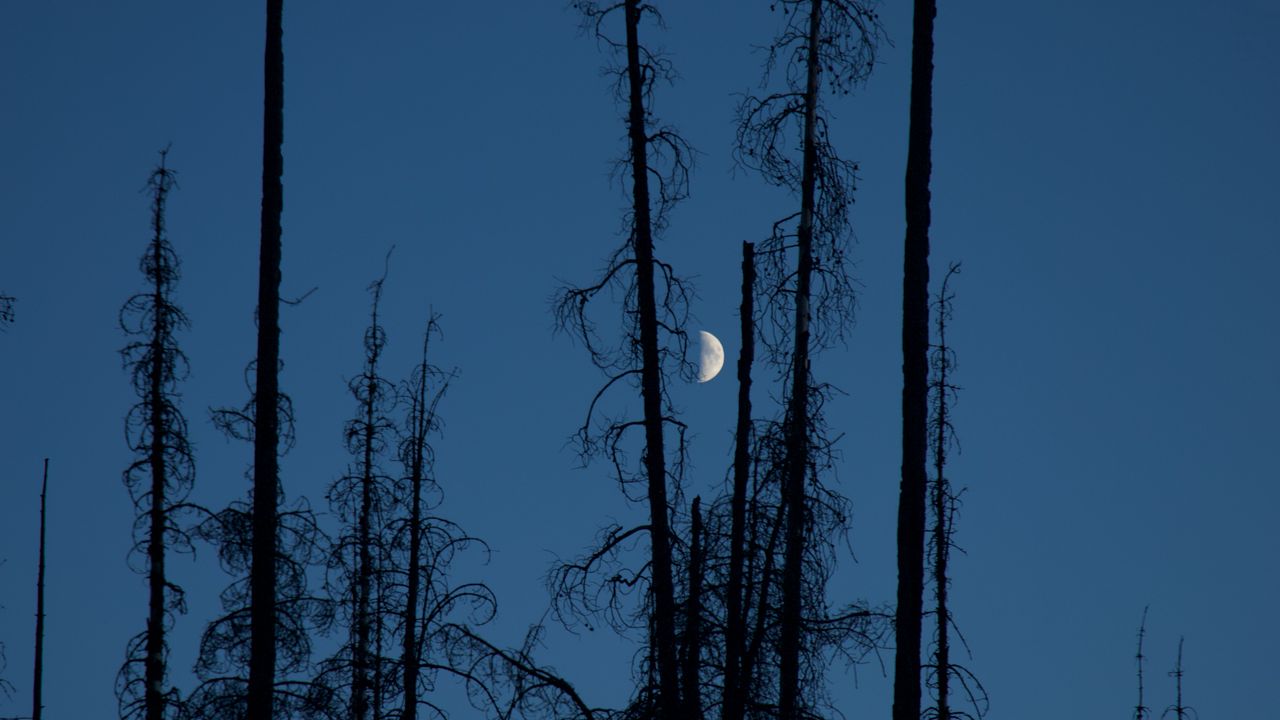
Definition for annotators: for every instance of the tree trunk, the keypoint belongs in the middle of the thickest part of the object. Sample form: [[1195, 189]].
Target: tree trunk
[[915, 372], [797, 463], [691, 693], [417, 471], [941, 527], [732, 706], [154, 663], [262, 576], [651, 382], [37, 675]]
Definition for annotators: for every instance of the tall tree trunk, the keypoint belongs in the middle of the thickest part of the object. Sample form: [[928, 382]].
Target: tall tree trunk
[[262, 576], [651, 381], [154, 669], [942, 522], [360, 699], [797, 464], [691, 694], [37, 674], [416, 473], [732, 706], [915, 371]]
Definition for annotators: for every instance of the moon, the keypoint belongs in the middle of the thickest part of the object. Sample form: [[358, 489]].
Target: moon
[[711, 356]]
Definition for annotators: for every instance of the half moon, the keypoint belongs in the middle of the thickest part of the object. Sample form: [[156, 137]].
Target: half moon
[[711, 356]]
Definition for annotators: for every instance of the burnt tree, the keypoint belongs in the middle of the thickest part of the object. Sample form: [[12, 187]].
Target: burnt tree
[[648, 349], [160, 479], [915, 370]]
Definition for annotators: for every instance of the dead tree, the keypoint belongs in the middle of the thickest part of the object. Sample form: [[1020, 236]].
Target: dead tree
[[425, 604], [1178, 709], [363, 501], [1141, 711], [160, 479], [224, 664], [944, 506], [731, 707], [266, 520], [37, 673], [808, 294], [915, 371], [648, 348]]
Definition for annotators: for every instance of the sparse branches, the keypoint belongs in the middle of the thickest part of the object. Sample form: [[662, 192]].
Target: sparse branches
[[806, 298], [945, 503], [160, 479], [646, 350], [1178, 710], [1141, 711]]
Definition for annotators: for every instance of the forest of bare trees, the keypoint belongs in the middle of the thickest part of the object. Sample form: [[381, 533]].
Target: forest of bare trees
[[370, 603]]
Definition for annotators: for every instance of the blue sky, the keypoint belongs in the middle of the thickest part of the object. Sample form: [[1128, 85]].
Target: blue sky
[[1105, 171]]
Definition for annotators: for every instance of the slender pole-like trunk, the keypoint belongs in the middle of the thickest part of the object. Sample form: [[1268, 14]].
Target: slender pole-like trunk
[[262, 574], [915, 371], [416, 472], [364, 583], [154, 667], [1140, 711], [1179, 710], [651, 381], [797, 463], [691, 693], [37, 675], [732, 706], [941, 529]]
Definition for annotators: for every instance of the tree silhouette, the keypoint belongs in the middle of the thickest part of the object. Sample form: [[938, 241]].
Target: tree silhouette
[[1178, 709], [649, 347], [160, 479], [265, 520], [37, 674], [944, 506], [915, 371], [807, 292], [362, 499], [732, 704], [1141, 711], [432, 613]]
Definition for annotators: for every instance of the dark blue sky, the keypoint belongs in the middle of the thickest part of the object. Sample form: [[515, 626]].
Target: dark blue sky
[[1105, 171]]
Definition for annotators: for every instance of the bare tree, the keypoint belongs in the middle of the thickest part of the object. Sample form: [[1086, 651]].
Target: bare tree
[[263, 538], [944, 506], [1178, 709], [429, 609], [808, 293], [649, 348], [731, 707], [37, 674], [363, 499], [160, 479], [915, 370], [1141, 711]]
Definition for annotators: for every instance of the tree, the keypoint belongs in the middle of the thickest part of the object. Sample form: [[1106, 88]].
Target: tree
[[915, 370], [160, 479], [650, 346], [1141, 711], [362, 499], [808, 298], [266, 403], [434, 615], [37, 675], [944, 506], [1179, 711]]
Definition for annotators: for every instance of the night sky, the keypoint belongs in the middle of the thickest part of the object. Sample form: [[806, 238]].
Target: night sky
[[1106, 172]]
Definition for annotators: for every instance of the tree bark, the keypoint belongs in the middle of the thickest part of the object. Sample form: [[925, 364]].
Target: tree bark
[[262, 576], [797, 463], [651, 381], [915, 371], [732, 706]]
